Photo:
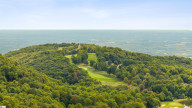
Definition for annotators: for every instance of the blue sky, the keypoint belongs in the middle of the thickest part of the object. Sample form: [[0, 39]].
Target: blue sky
[[95, 14]]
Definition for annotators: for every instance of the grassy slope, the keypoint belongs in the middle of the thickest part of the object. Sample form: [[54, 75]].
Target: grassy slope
[[92, 56], [173, 104], [101, 76]]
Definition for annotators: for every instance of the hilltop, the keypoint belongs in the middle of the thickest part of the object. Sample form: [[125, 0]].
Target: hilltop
[[96, 76]]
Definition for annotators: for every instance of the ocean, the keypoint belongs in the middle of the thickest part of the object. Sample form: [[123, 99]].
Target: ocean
[[153, 42]]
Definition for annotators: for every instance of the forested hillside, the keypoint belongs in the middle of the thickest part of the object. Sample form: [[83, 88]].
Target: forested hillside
[[22, 87], [25, 87], [148, 79]]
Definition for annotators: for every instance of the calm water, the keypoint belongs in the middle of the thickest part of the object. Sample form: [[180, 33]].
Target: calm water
[[151, 42]]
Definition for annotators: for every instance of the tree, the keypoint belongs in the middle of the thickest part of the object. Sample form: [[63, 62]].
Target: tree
[[190, 79], [101, 105], [152, 102], [189, 91], [126, 80], [87, 101], [79, 105], [55, 94], [83, 54], [112, 104], [1, 98], [101, 66], [92, 62], [76, 59], [10, 102], [112, 69], [128, 62]]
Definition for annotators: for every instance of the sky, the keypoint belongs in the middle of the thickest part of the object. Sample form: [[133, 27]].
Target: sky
[[96, 14]]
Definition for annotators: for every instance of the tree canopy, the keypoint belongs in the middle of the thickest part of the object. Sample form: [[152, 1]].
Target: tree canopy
[[42, 76]]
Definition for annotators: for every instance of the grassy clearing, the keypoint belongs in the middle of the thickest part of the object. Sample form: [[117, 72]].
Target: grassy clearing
[[92, 56], [101, 76], [173, 104], [69, 56], [60, 48]]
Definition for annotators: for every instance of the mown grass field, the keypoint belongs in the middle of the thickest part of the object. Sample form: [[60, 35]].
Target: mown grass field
[[92, 56], [173, 104], [101, 76]]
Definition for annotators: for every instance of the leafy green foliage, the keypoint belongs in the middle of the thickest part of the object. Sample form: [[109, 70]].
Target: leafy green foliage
[[53, 80], [35, 89]]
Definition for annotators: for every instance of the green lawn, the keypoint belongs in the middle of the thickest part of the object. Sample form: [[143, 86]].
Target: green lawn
[[92, 56], [60, 48], [101, 76], [173, 104]]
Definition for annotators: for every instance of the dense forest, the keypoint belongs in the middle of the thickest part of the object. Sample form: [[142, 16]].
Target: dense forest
[[43, 76]]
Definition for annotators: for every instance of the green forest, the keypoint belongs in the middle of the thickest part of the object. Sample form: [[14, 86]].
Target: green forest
[[71, 75]]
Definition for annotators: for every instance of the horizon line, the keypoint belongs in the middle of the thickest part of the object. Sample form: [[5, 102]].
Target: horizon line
[[97, 29]]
